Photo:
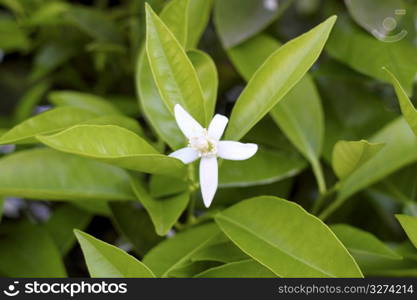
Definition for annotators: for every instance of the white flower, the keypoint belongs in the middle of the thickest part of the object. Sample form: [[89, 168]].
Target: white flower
[[205, 144]]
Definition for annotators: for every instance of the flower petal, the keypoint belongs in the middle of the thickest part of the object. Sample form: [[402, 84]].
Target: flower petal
[[208, 178], [217, 126], [189, 127], [235, 150], [186, 155]]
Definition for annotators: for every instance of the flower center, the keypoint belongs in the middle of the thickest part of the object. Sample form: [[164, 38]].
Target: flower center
[[203, 144]]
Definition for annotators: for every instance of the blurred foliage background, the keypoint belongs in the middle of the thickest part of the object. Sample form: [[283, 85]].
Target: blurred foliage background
[[91, 46]]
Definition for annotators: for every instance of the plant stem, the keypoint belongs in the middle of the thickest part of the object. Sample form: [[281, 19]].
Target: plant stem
[[190, 212], [319, 202], [193, 186], [318, 173]]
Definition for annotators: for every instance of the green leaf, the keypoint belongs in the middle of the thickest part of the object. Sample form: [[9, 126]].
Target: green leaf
[[407, 108], [62, 223], [161, 186], [48, 122], [114, 145], [198, 18], [158, 115], [238, 20], [94, 23], [191, 269], [222, 252], [207, 74], [50, 56], [48, 14], [164, 212], [265, 167], [409, 224], [348, 156], [98, 208], [68, 177], [135, 224], [286, 239], [175, 16], [300, 117], [176, 251], [303, 127], [85, 101], [248, 268], [105, 260], [399, 151], [229, 196], [12, 36], [118, 120], [27, 250], [355, 116], [172, 70], [367, 55], [275, 78], [30, 99], [361, 244]]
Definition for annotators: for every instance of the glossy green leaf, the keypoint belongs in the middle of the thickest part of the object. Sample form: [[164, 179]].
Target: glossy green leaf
[[85, 101], [62, 223], [232, 195], [191, 269], [361, 244], [177, 250], [105, 260], [68, 177], [114, 145], [158, 115], [48, 122], [164, 212], [222, 252], [248, 268], [207, 74], [172, 70], [135, 225], [275, 78], [162, 186], [303, 127], [24, 247], [198, 18], [366, 54], [265, 167], [286, 239], [150, 99], [399, 151], [118, 120], [238, 20], [251, 54], [409, 224], [175, 16], [348, 156], [407, 108]]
